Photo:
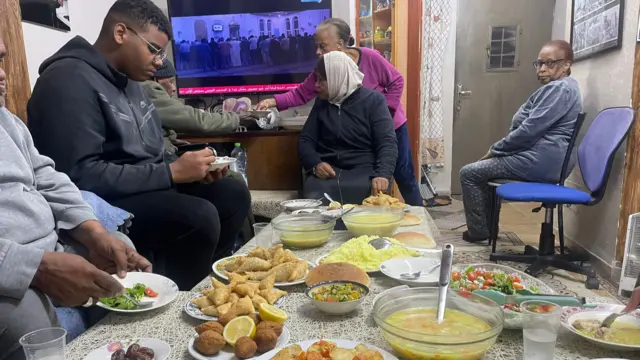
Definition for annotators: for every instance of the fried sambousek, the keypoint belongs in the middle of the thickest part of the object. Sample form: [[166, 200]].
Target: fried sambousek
[[235, 278], [298, 271], [283, 271], [210, 325], [257, 300], [285, 256], [291, 352], [254, 264], [217, 283], [234, 265], [246, 289], [244, 306], [223, 309], [220, 296], [209, 342], [272, 295], [202, 302], [210, 310], [268, 282], [233, 298], [257, 275], [260, 252]]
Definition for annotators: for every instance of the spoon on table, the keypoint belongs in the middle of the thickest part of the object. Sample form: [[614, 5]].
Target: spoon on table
[[445, 277], [331, 201], [417, 274], [382, 243]]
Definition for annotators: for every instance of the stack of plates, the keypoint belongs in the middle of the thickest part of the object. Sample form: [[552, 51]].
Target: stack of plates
[[293, 123]]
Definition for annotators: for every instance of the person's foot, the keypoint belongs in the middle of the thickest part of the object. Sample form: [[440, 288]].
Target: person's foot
[[468, 238]]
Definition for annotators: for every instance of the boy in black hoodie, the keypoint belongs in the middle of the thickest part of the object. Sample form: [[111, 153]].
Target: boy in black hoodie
[[89, 113]]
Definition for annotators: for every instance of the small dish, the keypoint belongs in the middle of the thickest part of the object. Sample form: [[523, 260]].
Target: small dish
[[218, 270], [337, 307], [193, 311], [298, 204], [226, 353], [394, 267], [166, 289], [222, 162], [161, 349]]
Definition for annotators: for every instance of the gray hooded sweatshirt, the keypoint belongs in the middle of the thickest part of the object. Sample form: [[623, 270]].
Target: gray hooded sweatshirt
[[36, 202]]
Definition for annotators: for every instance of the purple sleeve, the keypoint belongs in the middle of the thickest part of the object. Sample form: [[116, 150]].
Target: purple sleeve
[[299, 96], [389, 78]]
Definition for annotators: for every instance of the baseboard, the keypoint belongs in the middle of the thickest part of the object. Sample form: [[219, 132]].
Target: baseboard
[[605, 270]]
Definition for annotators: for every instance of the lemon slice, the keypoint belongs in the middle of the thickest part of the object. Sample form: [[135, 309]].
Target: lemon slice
[[271, 313], [237, 328]]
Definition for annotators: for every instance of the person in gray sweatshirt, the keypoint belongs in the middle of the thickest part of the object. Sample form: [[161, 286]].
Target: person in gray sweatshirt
[[52, 248], [536, 145]]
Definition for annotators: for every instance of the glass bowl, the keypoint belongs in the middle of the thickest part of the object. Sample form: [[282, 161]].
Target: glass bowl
[[303, 231], [470, 342], [373, 220]]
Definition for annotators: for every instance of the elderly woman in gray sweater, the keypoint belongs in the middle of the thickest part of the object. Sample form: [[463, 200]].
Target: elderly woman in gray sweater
[[537, 142]]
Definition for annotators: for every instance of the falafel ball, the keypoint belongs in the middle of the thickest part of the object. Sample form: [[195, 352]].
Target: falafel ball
[[266, 340], [225, 318], [270, 325], [255, 317], [245, 348], [210, 325], [209, 342]]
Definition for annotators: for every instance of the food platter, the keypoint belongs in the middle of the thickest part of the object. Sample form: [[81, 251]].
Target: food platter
[[320, 258], [221, 162], [193, 311], [166, 290], [161, 349], [345, 344], [572, 314], [227, 352], [512, 319], [219, 272]]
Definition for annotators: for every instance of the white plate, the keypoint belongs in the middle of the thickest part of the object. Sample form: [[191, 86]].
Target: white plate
[[319, 259], [167, 290], [194, 312], [221, 162], [298, 204], [345, 344], [159, 347], [394, 267], [571, 314], [221, 274], [227, 352]]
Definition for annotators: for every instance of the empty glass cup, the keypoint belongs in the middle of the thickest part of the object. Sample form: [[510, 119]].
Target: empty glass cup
[[263, 234], [45, 344], [541, 320]]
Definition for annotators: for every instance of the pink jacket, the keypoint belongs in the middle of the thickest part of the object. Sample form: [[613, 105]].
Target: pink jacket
[[379, 75]]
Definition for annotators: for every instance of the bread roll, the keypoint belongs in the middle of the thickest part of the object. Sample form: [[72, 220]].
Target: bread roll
[[415, 240], [339, 272], [411, 220]]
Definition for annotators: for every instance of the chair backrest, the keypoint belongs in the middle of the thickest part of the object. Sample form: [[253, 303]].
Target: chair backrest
[[572, 143], [598, 148]]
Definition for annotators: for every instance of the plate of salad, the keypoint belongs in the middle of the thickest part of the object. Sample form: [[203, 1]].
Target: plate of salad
[[505, 279], [144, 292]]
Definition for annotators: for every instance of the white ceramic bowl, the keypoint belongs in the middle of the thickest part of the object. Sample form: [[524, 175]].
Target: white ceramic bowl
[[394, 267], [221, 162], [298, 204], [337, 308]]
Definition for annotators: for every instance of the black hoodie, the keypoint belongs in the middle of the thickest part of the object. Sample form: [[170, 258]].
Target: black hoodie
[[97, 125]]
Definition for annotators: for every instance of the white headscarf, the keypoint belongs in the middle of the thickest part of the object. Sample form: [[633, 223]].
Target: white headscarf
[[343, 76]]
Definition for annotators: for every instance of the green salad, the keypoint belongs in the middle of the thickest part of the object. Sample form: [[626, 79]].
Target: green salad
[[123, 303]]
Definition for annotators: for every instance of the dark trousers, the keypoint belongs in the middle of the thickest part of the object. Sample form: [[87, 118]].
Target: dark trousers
[[348, 187], [404, 174], [186, 228]]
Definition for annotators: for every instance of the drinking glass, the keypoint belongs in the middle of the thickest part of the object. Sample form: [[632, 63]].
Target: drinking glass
[[45, 344], [541, 321], [263, 236]]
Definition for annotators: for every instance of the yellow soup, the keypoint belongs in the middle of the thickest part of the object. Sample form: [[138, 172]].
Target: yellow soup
[[620, 333], [381, 224], [303, 240], [455, 326]]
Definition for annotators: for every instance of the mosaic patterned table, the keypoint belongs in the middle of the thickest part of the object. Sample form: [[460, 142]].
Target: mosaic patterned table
[[172, 325]]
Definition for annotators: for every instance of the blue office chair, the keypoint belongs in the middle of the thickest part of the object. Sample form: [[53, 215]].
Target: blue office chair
[[595, 158]]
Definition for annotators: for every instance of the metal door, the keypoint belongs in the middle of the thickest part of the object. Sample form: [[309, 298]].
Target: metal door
[[496, 44]]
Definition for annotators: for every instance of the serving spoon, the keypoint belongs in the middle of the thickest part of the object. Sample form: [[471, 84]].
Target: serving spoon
[[417, 274], [443, 283]]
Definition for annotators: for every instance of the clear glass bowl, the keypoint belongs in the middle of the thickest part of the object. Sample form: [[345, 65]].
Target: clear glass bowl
[[373, 220], [303, 231], [417, 345]]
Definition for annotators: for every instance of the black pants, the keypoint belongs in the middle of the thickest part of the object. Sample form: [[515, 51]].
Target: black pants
[[348, 187], [186, 228]]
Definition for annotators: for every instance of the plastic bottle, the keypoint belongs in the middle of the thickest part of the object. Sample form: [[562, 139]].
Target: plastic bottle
[[241, 161]]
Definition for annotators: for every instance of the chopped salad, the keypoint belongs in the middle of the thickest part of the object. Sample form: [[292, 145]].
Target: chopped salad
[[337, 293], [473, 278], [122, 302]]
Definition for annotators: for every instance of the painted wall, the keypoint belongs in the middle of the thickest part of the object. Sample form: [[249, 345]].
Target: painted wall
[[605, 81], [86, 19]]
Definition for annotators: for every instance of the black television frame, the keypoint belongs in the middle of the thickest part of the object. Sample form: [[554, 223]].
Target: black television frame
[[232, 3]]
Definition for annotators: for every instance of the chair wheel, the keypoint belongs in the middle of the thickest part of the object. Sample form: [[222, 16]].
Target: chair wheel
[[592, 283]]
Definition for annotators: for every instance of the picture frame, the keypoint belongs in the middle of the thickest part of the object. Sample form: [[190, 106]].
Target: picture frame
[[53, 14], [596, 27]]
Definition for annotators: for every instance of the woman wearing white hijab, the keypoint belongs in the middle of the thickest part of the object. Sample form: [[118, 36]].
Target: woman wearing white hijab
[[348, 144]]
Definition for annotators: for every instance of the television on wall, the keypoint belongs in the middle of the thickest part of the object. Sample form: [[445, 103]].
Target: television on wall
[[244, 46]]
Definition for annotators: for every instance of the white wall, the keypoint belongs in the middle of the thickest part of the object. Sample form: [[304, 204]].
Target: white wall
[[605, 81], [86, 19]]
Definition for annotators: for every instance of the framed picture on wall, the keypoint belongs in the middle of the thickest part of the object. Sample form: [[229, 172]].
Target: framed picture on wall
[[50, 13], [596, 26]]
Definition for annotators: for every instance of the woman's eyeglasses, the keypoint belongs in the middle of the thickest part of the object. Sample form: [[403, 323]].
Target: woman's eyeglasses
[[549, 63], [159, 54]]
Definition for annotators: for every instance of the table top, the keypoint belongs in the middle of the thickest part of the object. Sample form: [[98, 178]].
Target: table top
[[172, 325]]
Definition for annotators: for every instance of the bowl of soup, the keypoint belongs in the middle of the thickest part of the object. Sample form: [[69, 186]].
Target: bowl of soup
[[373, 221], [407, 320], [303, 231]]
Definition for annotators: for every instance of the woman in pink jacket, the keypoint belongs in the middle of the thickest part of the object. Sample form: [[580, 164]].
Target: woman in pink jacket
[[335, 35]]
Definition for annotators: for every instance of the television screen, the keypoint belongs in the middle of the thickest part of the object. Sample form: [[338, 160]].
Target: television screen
[[244, 46]]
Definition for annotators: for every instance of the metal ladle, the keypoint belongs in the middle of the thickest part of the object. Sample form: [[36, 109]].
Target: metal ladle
[[445, 277]]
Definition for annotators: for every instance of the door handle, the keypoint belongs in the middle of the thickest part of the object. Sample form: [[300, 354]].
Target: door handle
[[461, 93]]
